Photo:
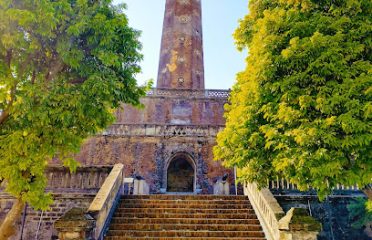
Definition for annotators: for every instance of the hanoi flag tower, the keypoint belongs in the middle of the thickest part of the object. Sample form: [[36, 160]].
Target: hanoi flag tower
[[181, 56], [169, 142], [169, 145]]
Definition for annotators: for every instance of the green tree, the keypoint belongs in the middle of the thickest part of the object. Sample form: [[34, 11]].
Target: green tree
[[359, 212], [302, 109], [64, 67]]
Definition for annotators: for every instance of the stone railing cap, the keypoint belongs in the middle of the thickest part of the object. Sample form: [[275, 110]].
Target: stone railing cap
[[298, 219], [75, 218], [102, 196]]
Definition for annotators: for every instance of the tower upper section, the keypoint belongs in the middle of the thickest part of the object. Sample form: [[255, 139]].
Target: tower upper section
[[181, 64]]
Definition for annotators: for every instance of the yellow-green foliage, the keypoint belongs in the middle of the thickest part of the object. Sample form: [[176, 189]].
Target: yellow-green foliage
[[302, 109], [64, 66]]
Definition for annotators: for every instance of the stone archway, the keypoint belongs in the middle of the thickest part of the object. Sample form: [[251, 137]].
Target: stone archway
[[181, 174]]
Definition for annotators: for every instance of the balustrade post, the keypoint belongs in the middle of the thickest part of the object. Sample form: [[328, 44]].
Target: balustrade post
[[75, 225], [297, 224]]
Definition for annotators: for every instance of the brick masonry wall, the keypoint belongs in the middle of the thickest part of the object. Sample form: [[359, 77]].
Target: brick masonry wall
[[150, 156], [175, 110], [62, 203], [181, 55]]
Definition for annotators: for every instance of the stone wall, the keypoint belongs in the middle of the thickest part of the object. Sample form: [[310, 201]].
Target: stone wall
[[69, 190], [177, 107], [38, 224], [332, 213], [173, 121], [149, 156]]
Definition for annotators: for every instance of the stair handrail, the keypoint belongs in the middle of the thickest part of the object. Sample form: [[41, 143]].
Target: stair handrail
[[276, 224], [106, 200], [267, 209]]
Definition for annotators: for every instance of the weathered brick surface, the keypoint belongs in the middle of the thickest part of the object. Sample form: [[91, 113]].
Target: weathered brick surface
[[150, 156], [175, 110], [147, 154], [181, 56], [41, 223]]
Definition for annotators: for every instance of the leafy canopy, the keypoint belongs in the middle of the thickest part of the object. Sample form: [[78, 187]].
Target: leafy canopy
[[359, 213], [302, 109], [64, 67]]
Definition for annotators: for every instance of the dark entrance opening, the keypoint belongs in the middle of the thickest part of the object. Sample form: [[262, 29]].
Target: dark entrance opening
[[180, 176]]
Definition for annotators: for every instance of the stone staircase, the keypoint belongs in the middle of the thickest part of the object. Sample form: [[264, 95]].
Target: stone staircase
[[184, 217]]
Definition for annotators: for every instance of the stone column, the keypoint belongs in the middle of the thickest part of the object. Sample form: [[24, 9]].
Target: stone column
[[181, 64], [221, 188], [75, 225], [140, 187]]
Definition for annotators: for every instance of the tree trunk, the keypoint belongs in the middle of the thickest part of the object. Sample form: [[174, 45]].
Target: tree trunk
[[368, 193], [9, 227]]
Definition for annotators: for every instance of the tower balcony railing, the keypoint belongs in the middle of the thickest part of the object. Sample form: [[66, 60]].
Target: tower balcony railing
[[159, 130], [205, 93], [280, 184]]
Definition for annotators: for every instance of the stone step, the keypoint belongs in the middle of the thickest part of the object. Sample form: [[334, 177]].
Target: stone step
[[204, 205], [184, 210], [182, 233], [185, 202], [181, 238], [185, 197], [191, 217], [186, 215], [118, 220], [187, 227]]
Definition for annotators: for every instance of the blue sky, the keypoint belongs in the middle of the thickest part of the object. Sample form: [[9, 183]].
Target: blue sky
[[220, 18]]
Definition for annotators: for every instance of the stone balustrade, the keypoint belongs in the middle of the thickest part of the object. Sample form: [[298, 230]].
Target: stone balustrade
[[267, 209], [89, 179], [283, 184], [79, 223], [176, 93], [295, 225], [103, 204], [298, 225], [162, 130]]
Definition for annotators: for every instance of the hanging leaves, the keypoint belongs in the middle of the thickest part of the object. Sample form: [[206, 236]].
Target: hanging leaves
[[64, 66], [301, 110]]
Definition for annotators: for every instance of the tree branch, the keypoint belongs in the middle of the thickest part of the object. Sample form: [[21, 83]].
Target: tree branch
[[8, 57], [5, 114], [25, 64], [55, 67], [33, 77]]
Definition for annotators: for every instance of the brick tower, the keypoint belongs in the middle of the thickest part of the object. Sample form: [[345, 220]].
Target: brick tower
[[169, 143], [167, 146], [181, 56]]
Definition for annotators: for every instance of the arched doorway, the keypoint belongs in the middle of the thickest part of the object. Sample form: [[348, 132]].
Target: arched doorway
[[181, 174]]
